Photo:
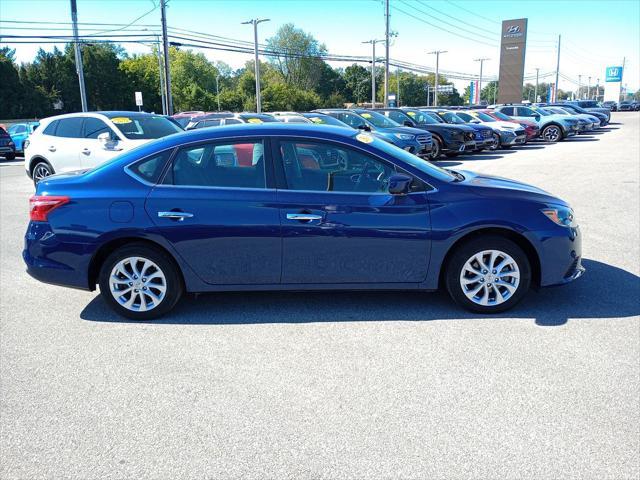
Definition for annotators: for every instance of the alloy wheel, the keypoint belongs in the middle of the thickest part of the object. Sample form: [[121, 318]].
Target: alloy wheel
[[496, 142], [435, 149], [551, 133], [41, 171], [137, 284], [490, 277]]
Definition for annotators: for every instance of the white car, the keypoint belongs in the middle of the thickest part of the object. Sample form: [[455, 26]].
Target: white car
[[79, 141], [505, 134]]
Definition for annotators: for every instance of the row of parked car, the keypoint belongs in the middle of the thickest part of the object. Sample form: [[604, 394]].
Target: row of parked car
[[624, 106], [80, 141]]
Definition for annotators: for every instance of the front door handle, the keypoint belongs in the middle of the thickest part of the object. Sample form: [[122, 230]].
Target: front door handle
[[179, 216], [86, 151], [52, 149], [303, 217]]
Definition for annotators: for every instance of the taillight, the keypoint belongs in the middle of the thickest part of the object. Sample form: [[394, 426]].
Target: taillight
[[41, 205]]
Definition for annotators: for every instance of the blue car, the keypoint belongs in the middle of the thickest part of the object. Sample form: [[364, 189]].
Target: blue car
[[293, 207], [20, 132]]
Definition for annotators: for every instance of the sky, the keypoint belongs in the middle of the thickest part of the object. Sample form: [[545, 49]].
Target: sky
[[595, 33]]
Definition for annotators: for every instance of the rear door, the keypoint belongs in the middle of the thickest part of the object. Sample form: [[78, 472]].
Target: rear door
[[219, 211], [339, 223]]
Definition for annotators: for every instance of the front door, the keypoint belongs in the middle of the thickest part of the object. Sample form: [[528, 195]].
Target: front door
[[215, 208], [339, 223], [93, 151]]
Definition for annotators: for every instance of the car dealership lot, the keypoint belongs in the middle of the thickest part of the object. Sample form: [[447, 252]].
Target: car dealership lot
[[337, 385]]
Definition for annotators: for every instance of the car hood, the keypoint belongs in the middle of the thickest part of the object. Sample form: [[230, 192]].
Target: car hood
[[490, 185], [479, 128], [502, 125]]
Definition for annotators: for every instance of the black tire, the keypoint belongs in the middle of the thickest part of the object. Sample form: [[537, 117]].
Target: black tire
[[10, 156], [40, 171], [436, 149], [173, 277], [552, 133], [464, 252], [496, 142]]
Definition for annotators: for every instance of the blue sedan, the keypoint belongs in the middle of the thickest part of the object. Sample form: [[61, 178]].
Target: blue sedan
[[293, 207]]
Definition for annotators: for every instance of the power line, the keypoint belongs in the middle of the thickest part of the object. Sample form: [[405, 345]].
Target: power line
[[457, 19]]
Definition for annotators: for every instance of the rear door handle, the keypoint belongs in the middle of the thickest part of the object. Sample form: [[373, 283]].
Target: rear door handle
[[179, 216], [303, 217], [52, 149], [86, 151]]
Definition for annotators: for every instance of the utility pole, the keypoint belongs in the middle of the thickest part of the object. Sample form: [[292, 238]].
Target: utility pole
[[536, 91], [165, 45], [373, 70], [597, 88], [160, 70], [78, 52], [255, 23], [557, 69], [579, 87], [589, 89], [386, 56], [437, 54], [624, 59], [481, 60]]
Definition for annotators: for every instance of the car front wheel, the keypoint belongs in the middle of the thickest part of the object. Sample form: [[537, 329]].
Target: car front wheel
[[496, 142], [552, 133], [488, 274], [140, 282], [436, 149]]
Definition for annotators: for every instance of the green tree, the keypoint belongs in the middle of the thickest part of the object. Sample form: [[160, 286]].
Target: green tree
[[280, 96], [10, 86], [357, 83]]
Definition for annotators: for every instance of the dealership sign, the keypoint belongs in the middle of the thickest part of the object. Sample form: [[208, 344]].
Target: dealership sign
[[613, 74], [512, 53]]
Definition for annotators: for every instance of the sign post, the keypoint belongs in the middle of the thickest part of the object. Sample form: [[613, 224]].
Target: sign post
[[139, 100], [512, 53], [613, 83]]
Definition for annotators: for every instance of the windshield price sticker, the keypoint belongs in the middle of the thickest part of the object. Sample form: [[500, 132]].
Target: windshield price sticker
[[121, 120]]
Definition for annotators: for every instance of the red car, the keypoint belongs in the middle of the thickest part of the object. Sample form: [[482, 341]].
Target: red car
[[531, 128]]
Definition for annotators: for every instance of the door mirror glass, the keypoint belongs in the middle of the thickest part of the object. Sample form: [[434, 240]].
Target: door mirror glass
[[399, 184], [364, 127], [408, 123], [107, 141]]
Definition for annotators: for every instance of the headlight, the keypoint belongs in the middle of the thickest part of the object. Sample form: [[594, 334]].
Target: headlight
[[562, 216], [404, 136]]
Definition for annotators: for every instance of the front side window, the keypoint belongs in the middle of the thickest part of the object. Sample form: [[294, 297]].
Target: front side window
[[94, 127], [351, 119], [17, 129], [378, 120], [70, 128], [327, 167], [232, 121], [398, 117], [51, 128], [465, 116], [235, 165]]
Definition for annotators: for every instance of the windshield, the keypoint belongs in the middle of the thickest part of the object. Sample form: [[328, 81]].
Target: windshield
[[451, 117], [465, 116], [416, 162], [378, 120], [557, 110], [421, 118], [258, 118], [542, 111], [574, 109], [325, 120], [145, 127], [484, 117], [502, 116], [435, 116]]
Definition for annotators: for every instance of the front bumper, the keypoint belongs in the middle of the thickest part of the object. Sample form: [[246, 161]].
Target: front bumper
[[560, 254]]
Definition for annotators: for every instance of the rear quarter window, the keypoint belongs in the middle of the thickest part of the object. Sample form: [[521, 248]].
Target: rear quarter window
[[51, 128], [150, 169]]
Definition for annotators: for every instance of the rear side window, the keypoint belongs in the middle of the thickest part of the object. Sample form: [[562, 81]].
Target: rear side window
[[507, 110], [231, 121], [149, 169], [236, 165], [211, 123], [70, 128], [51, 128]]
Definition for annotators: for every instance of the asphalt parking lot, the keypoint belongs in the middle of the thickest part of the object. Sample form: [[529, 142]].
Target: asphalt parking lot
[[341, 385]]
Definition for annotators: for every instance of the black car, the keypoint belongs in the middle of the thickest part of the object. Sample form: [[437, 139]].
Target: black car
[[447, 139], [611, 105], [7, 147], [574, 108], [625, 106]]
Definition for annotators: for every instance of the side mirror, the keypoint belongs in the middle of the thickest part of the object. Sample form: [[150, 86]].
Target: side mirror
[[399, 184], [108, 143], [366, 128], [475, 121], [408, 123], [536, 116]]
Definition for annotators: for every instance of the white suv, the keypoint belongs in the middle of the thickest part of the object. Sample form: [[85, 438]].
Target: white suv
[[78, 141]]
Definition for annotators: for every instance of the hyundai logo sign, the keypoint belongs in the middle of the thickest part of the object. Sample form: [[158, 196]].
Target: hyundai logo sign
[[513, 29]]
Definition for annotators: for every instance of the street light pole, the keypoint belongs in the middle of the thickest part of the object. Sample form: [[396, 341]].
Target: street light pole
[[589, 89], [398, 92], [481, 60], [536, 91], [373, 70], [165, 44], [255, 23], [78, 55], [437, 54], [579, 86], [218, 91], [557, 70], [162, 87]]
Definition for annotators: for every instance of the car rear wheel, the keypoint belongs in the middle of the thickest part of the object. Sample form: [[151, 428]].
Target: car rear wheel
[[10, 156], [140, 282], [489, 274], [436, 149], [41, 171], [552, 133]]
